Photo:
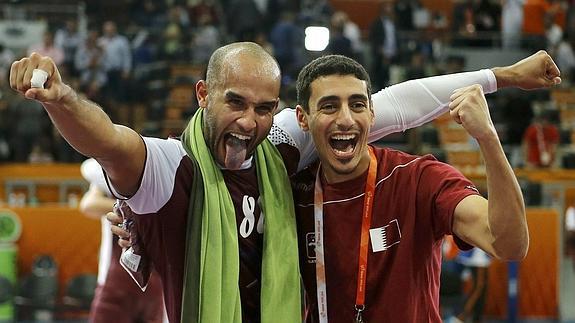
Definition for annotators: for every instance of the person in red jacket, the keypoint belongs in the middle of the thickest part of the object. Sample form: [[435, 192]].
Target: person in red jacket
[[540, 142]]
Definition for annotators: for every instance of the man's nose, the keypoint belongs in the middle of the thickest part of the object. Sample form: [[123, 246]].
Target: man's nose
[[344, 118], [247, 121]]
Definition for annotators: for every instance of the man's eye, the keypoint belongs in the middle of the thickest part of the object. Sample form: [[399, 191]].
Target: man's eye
[[263, 110], [358, 105], [235, 102], [327, 107]]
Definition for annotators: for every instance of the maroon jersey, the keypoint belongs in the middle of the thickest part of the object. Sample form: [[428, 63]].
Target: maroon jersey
[[415, 198], [160, 212]]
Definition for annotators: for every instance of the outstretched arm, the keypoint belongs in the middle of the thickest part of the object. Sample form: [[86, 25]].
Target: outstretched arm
[[498, 225], [119, 149], [413, 103]]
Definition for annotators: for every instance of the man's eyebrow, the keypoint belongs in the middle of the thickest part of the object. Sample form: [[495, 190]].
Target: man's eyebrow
[[337, 98], [328, 98], [231, 95], [358, 97], [269, 104]]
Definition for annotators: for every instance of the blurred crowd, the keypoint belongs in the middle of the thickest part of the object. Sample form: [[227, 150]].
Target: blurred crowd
[[125, 60]]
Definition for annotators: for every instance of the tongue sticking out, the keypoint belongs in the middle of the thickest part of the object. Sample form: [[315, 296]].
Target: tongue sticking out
[[235, 153]]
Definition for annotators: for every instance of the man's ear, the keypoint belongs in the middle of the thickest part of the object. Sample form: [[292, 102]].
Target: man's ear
[[202, 93], [301, 118]]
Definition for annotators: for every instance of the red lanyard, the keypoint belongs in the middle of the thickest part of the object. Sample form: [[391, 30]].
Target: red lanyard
[[364, 242], [363, 246]]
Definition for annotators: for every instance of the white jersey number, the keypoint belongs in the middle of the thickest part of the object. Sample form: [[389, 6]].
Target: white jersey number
[[249, 221]]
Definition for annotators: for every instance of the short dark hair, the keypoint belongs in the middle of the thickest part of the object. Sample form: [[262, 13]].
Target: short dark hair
[[325, 66]]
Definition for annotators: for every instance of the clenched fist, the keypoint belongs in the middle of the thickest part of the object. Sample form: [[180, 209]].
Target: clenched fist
[[53, 90], [468, 107]]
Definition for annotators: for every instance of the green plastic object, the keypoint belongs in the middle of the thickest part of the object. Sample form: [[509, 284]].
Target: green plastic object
[[10, 226]]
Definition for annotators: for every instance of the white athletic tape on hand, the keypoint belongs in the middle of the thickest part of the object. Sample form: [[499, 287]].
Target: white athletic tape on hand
[[39, 77]]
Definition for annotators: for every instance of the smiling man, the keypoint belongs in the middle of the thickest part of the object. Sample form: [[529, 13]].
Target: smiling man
[[198, 204], [371, 220]]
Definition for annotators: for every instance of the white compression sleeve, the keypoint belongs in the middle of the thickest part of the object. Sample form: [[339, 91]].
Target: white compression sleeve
[[397, 108], [415, 102]]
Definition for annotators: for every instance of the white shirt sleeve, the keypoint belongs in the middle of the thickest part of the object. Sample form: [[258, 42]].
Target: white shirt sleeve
[[162, 161], [163, 156], [415, 102], [397, 108]]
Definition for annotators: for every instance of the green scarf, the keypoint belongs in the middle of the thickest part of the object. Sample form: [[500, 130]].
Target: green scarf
[[211, 277]]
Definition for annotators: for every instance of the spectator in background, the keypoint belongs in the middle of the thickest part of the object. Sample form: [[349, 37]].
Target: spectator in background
[[540, 141], [384, 47], [47, 48], [286, 37], [350, 31], [205, 40], [404, 13], [421, 16], [243, 19], [68, 39], [338, 42], [117, 64], [179, 14], [89, 61], [516, 114], [416, 68], [463, 25], [148, 14], [6, 122], [564, 55], [487, 19], [511, 22], [475, 262], [117, 297], [29, 125], [41, 151], [6, 59], [143, 49], [172, 41], [553, 33], [314, 11], [473, 21], [534, 28], [199, 8]]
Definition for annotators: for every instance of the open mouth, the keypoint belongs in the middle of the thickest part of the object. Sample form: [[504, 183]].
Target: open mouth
[[236, 150], [343, 145], [237, 136]]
